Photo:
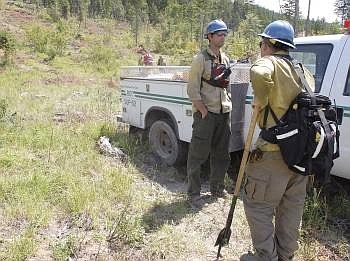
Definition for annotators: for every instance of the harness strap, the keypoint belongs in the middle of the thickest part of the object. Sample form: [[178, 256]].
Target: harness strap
[[211, 81], [214, 83], [330, 142]]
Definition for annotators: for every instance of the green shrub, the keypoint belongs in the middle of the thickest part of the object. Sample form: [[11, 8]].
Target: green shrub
[[61, 37], [3, 108], [43, 14], [127, 38], [8, 45], [38, 36], [103, 58], [50, 41]]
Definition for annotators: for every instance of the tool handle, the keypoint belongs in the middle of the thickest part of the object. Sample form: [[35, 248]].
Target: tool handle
[[224, 235], [246, 150]]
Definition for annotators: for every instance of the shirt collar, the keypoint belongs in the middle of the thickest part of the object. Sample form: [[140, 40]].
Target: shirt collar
[[211, 53]]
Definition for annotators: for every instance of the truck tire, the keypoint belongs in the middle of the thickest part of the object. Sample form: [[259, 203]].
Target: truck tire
[[164, 143]]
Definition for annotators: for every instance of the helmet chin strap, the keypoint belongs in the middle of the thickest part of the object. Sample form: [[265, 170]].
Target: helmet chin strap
[[272, 41]]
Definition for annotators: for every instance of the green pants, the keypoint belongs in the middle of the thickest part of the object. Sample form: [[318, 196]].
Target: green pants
[[274, 190], [210, 136]]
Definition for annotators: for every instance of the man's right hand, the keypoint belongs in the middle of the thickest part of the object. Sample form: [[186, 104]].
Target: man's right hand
[[199, 105], [256, 104], [204, 113]]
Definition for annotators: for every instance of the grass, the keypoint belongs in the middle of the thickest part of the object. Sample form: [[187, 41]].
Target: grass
[[22, 246], [166, 244], [322, 230], [65, 248], [49, 164]]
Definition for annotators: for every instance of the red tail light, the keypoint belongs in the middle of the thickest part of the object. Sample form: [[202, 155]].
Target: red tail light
[[347, 24]]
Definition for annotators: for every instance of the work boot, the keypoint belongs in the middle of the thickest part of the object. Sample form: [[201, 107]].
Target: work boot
[[256, 257], [249, 257], [196, 201], [219, 194]]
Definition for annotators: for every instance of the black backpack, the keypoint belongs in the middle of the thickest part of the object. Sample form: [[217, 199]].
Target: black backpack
[[308, 133]]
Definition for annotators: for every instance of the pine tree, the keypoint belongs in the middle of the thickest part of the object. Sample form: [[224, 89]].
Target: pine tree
[[291, 11], [342, 9], [307, 23]]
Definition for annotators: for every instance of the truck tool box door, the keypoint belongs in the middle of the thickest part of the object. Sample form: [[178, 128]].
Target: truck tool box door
[[130, 103]]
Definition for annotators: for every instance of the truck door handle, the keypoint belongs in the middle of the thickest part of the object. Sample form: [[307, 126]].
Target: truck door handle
[[340, 113]]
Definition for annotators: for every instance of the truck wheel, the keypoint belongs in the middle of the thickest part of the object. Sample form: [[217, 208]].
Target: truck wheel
[[164, 143]]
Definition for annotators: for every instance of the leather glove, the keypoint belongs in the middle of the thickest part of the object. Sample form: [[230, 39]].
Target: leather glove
[[256, 155]]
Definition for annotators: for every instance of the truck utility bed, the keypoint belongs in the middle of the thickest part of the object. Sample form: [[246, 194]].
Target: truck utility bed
[[155, 98]]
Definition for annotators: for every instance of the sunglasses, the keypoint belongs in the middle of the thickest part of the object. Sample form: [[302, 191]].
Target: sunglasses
[[260, 44], [221, 34]]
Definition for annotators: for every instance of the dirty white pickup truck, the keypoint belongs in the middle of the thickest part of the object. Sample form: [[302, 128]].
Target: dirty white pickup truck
[[155, 98]]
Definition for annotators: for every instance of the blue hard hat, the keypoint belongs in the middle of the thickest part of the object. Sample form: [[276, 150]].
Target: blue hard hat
[[280, 31], [215, 26]]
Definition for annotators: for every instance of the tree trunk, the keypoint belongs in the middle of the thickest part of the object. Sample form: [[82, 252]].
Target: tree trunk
[[202, 32], [296, 17], [307, 24], [136, 30]]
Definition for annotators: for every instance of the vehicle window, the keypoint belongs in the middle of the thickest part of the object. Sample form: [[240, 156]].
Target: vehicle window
[[315, 57], [347, 85]]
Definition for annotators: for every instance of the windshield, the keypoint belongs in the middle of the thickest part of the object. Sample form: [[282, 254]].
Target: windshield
[[315, 57]]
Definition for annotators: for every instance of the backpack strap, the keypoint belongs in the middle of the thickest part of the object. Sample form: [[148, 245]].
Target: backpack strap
[[298, 68], [266, 113], [269, 109]]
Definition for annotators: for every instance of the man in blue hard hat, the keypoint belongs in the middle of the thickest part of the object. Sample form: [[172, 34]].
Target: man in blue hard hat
[[272, 189], [207, 89]]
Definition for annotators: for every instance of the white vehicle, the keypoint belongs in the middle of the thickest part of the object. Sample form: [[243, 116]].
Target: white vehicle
[[155, 98]]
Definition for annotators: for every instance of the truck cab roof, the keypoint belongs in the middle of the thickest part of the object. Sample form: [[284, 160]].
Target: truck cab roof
[[334, 39]]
